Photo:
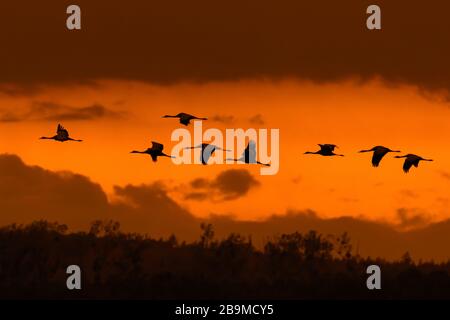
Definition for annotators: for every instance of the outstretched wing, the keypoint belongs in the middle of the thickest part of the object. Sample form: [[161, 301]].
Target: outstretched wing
[[157, 146], [207, 151], [377, 156], [250, 152], [62, 132], [407, 165]]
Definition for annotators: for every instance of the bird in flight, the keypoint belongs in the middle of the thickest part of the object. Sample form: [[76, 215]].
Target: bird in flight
[[378, 153], [207, 151], [155, 151], [326, 150], [411, 160], [62, 135], [185, 118], [249, 155]]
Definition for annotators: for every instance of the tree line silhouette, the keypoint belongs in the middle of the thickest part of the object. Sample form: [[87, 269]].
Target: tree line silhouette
[[114, 264]]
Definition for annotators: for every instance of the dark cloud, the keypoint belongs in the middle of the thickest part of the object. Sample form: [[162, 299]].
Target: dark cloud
[[199, 183], [8, 116], [18, 90], [445, 175], [412, 219], [151, 209], [257, 119], [30, 193], [198, 196], [234, 183], [200, 40], [49, 111], [297, 179], [228, 185], [409, 193], [226, 119]]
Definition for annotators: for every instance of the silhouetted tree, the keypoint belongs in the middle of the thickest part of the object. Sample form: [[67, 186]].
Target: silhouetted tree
[[127, 265]]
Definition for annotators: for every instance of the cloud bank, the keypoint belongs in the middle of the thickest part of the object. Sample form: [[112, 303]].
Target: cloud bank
[[226, 40], [50, 111], [30, 193]]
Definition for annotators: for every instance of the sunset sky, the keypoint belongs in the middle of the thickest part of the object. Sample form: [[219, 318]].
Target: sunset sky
[[305, 113], [310, 69]]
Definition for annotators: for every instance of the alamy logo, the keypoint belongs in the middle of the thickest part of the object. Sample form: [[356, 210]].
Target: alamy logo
[[74, 280], [374, 280], [73, 21], [251, 146]]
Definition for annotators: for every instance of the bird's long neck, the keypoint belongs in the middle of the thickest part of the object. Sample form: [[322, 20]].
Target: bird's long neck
[[169, 116], [47, 138], [427, 159], [134, 151], [310, 152], [76, 140], [166, 155], [366, 150], [395, 151]]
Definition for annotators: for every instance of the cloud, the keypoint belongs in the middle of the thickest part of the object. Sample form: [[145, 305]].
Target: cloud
[[226, 119], [30, 193], [15, 90], [445, 175], [412, 219], [257, 119], [228, 185], [321, 41], [297, 179], [198, 196], [409, 193], [150, 208], [49, 111]]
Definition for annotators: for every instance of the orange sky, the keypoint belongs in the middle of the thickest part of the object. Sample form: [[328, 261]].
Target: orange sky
[[351, 115]]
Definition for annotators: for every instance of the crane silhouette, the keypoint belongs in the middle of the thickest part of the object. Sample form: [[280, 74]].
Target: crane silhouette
[[155, 151], [326, 150], [62, 135], [207, 151], [411, 160], [185, 118], [249, 155], [378, 153]]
